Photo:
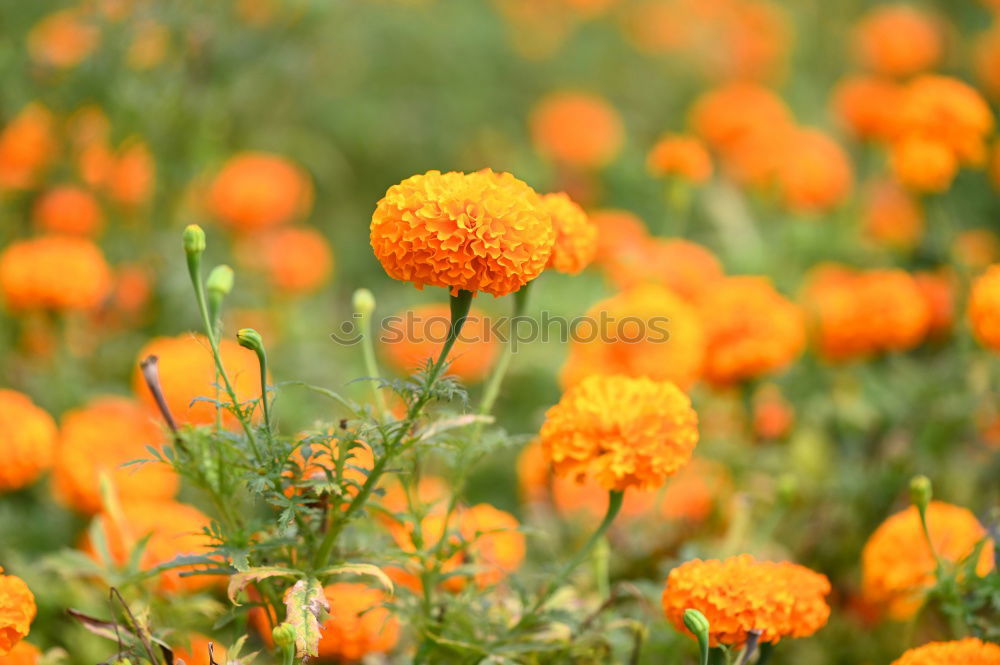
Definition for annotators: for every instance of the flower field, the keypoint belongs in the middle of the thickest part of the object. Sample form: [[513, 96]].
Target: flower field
[[652, 332]]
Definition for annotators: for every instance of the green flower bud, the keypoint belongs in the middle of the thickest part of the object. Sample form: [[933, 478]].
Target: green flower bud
[[194, 239], [364, 302], [250, 339], [698, 624], [921, 492], [283, 635], [220, 280]]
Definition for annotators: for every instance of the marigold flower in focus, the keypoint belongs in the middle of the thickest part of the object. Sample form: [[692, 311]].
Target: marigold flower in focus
[[969, 651], [578, 129], [751, 329], [62, 39], [68, 209], [53, 272], [891, 216], [132, 175], [576, 237], [294, 260], [195, 651], [684, 157], [17, 611], [256, 190], [359, 623], [173, 529], [984, 308], [684, 267], [898, 40], [741, 594], [412, 337], [645, 331], [23, 653], [101, 438], [27, 145], [187, 372], [623, 431], [27, 440], [463, 231], [866, 105], [897, 564]]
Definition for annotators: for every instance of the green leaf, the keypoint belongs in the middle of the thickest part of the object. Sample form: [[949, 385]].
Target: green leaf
[[361, 569], [239, 581], [306, 608]]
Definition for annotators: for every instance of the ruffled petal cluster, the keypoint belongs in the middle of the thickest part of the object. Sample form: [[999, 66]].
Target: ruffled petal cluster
[[970, 651], [740, 594], [622, 431], [54, 272], [576, 237], [257, 190], [473, 232], [17, 611]]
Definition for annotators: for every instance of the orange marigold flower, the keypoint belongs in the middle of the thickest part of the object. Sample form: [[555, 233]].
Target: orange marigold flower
[[430, 492], [62, 39], [27, 440], [578, 129], [970, 651], [773, 416], [625, 432], [729, 114], [149, 46], [898, 40], [17, 611], [132, 175], [814, 173], [256, 190], [976, 248], [984, 308], [463, 231], [100, 439], [68, 209], [684, 267], [740, 594], [187, 373], [27, 145], [294, 260], [938, 290], [414, 336], [891, 216], [947, 111], [645, 331], [172, 529], [925, 165], [54, 272], [360, 623], [866, 105], [490, 539], [751, 330], [576, 237], [195, 651], [682, 156], [620, 234], [897, 564], [23, 653]]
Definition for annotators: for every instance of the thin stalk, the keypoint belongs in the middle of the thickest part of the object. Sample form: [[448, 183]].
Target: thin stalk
[[492, 390], [371, 366]]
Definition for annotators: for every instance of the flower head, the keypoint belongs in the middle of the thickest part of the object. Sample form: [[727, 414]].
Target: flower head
[[741, 594], [970, 651], [27, 440], [54, 272], [414, 336], [751, 329], [625, 432], [578, 129], [938, 290], [187, 373], [23, 653], [728, 115], [898, 565], [645, 331], [132, 174], [68, 209], [576, 237], [293, 260], [101, 438], [17, 611], [814, 173], [359, 623], [866, 104], [27, 146], [684, 267], [683, 157], [898, 40], [473, 232], [984, 307], [256, 190], [62, 38], [620, 234], [891, 216]]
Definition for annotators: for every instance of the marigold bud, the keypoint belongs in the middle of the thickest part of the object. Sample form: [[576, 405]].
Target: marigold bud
[[220, 280], [363, 302], [921, 492], [283, 635], [696, 622], [194, 239], [250, 339]]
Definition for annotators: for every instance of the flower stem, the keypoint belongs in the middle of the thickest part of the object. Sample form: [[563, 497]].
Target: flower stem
[[492, 390], [371, 366]]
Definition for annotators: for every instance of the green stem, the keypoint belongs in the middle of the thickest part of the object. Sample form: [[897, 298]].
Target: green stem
[[492, 390], [718, 656], [460, 306], [371, 366], [614, 505]]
